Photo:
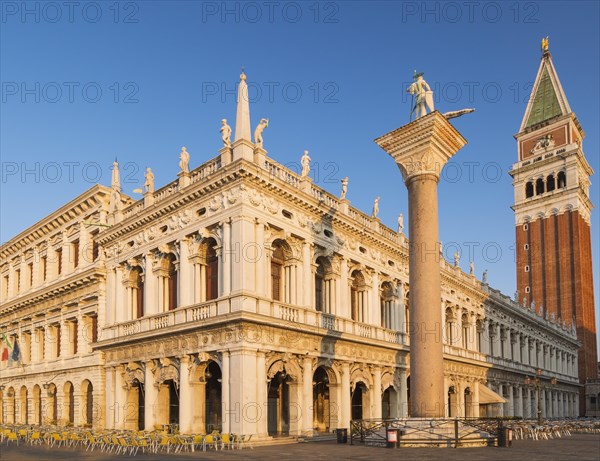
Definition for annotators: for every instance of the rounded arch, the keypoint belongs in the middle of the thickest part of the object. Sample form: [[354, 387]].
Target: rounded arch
[[358, 295], [36, 405], [550, 183], [540, 187], [281, 283], [289, 368], [333, 375], [50, 415], [359, 374], [529, 189], [561, 179], [87, 399], [212, 377], [68, 414], [282, 248], [24, 405]]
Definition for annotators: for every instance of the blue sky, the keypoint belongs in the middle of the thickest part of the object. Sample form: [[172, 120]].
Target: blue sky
[[85, 82]]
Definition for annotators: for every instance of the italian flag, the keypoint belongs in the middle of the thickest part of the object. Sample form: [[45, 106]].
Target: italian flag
[[6, 347]]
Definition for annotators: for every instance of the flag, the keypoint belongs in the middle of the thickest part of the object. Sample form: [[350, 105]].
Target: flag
[[5, 347], [16, 352]]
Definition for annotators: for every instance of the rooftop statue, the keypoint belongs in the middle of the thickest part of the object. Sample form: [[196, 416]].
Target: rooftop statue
[[258, 140], [375, 208], [305, 162], [225, 133], [184, 160], [344, 188], [149, 181]]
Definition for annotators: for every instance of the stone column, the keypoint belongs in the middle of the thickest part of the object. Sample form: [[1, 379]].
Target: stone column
[[151, 396], [227, 411], [120, 398], [475, 400], [186, 403], [421, 149], [307, 282], [345, 408], [261, 393], [403, 397], [376, 393], [307, 396], [185, 290], [510, 411]]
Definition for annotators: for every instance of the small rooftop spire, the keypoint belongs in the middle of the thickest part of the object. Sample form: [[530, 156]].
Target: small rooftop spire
[[116, 178], [242, 120]]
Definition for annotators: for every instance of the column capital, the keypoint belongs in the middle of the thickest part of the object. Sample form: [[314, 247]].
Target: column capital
[[423, 146]]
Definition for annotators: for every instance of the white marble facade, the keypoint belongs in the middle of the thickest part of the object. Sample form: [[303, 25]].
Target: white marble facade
[[242, 297]]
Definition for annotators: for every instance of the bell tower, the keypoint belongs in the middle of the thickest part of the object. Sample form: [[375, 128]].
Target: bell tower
[[552, 214]]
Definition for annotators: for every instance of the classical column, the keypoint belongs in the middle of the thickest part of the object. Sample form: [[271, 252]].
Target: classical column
[[308, 281], [403, 397], [376, 393], [226, 255], [345, 404], [185, 290], [150, 289], [151, 396], [421, 149], [307, 396], [186, 404], [261, 394], [511, 401], [228, 409], [120, 398], [475, 400]]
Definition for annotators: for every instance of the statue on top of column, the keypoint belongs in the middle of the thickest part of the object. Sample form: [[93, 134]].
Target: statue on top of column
[[423, 96]]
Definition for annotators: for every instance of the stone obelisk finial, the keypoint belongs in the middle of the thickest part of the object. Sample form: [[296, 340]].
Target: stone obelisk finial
[[242, 120], [242, 143]]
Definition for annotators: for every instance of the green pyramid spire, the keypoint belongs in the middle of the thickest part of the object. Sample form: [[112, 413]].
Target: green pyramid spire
[[545, 102]]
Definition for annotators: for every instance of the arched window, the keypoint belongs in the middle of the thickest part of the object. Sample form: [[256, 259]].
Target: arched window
[[386, 301], [319, 281], [212, 270], [550, 183], [358, 296], [135, 287], [325, 286], [283, 273], [465, 331], [172, 283], [539, 186], [449, 326], [480, 331], [277, 260], [562, 179], [529, 190]]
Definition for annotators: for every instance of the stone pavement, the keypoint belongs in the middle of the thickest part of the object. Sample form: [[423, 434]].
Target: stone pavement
[[579, 447]]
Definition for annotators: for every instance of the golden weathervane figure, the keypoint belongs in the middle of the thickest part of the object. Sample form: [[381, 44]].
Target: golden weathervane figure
[[545, 45]]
